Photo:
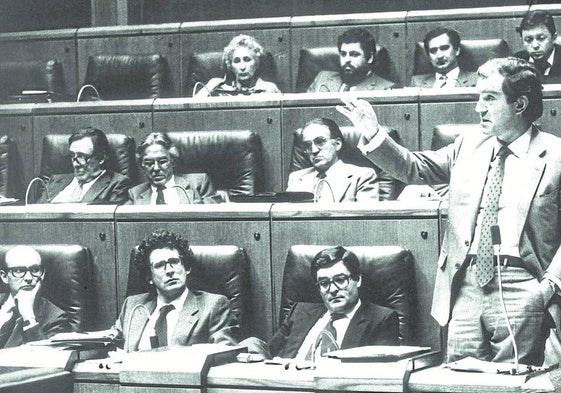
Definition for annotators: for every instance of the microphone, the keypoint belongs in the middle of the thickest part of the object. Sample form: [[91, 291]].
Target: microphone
[[185, 192], [496, 241], [203, 86], [316, 189], [35, 179], [140, 305], [84, 88], [318, 90]]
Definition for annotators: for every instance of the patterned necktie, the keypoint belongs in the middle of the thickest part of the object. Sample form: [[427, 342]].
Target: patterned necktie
[[160, 200], [484, 271], [327, 338], [161, 325], [320, 183], [443, 79]]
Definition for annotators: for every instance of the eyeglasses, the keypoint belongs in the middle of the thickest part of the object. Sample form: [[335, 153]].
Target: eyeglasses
[[149, 164], [318, 142], [161, 265], [341, 281], [20, 271], [80, 158]]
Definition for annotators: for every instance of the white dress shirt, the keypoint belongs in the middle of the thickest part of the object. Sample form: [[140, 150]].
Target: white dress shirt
[[451, 79], [170, 193], [66, 194]]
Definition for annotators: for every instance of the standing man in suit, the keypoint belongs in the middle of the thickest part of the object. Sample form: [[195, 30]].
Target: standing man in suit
[[357, 55], [24, 314], [329, 178], [157, 155], [92, 180], [172, 313], [507, 175], [538, 34], [442, 45]]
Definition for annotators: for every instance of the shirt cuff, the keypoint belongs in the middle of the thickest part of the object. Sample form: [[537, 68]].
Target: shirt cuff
[[30, 323], [374, 143], [556, 281]]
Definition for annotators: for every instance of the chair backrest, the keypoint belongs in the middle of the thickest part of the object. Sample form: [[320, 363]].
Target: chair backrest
[[44, 75], [55, 160], [388, 279], [119, 77], [218, 269], [68, 280], [203, 67], [389, 188], [314, 60], [473, 53], [444, 134], [10, 175], [232, 159]]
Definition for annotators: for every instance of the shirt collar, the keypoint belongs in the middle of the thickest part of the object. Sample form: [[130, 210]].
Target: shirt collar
[[333, 169], [177, 302], [91, 181], [169, 185], [519, 147], [453, 74]]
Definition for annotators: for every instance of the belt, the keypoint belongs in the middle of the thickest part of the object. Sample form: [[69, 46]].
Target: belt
[[506, 261]]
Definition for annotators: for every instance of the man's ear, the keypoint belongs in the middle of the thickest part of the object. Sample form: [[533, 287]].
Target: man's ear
[[338, 144], [359, 281], [521, 104], [458, 51], [4, 276], [371, 58]]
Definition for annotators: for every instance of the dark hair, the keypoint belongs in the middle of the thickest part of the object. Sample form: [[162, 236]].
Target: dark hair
[[99, 141], [520, 79], [334, 130], [158, 239], [157, 138], [537, 18], [330, 256], [363, 37], [451, 33]]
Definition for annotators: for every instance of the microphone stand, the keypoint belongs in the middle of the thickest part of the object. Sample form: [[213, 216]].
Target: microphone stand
[[36, 179]]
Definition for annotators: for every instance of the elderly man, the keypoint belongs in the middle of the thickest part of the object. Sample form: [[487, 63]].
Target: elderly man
[[329, 178], [442, 45], [92, 180], [538, 34], [357, 56], [172, 313], [507, 175], [24, 314], [157, 155]]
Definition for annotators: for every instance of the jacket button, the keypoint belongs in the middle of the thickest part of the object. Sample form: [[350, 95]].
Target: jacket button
[[466, 242], [457, 265]]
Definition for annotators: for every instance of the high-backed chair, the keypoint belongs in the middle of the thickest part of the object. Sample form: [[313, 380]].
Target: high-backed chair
[[444, 134], [387, 279], [202, 67], [68, 280], [120, 77], [218, 269], [232, 159], [314, 60], [42, 75], [55, 160], [473, 53], [10, 175], [389, 188]]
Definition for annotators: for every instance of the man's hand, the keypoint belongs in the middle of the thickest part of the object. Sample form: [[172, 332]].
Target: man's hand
[[25, 299], [362, 115]]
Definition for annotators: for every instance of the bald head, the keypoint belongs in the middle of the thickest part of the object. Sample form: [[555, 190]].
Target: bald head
[[21, 253]]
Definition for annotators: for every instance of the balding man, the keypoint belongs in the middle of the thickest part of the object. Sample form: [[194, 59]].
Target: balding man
[[24, 314]]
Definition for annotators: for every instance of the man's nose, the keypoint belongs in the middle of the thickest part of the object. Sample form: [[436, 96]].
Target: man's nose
[[479, 107]]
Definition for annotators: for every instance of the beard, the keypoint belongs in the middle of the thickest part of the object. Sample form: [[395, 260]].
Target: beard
[[352, 76]]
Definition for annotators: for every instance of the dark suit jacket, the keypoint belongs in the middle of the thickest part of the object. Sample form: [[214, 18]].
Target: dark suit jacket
[[205, 318], [50, 321], [465, 79], [331, 81], [110, 187], [198, 187], [371, 325], [554, 75], [464, 165]]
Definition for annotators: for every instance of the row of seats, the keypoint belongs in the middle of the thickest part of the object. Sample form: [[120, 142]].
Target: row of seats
[[388, 273]]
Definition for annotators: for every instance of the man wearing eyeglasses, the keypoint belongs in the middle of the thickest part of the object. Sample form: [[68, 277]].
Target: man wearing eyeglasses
[[329, 178], [172, 313], [92, 180], [24, 314], [157, 155]]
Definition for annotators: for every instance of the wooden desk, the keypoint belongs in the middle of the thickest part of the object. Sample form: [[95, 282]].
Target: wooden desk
[[44, 380]]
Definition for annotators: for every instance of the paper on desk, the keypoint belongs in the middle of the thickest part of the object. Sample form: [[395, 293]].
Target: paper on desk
[[7, 201], [480, 366]]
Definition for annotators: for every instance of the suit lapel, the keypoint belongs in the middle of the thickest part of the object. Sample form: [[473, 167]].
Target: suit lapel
[[188, 318], [96, 188], [340, 181], [184, 197], [138, 323], [144, 196], [356, 328]]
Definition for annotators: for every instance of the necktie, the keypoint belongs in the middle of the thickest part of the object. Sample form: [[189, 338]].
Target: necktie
[[76, 195], [443, 79], [484, 271], [320, 183], [327, 338], [161, 325], [160, 200], [542, 66]]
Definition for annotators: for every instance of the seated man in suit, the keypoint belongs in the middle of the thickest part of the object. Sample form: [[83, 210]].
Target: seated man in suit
[[538, 34], [443, 48], [172, 313], [25, 315], [92, 180], [329, 178], [357, 55], [157, 155]]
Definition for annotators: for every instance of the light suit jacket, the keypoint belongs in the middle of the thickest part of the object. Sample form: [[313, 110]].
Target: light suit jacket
[[331, 81], [205, 318], [464, 164], [197, 186], [465, 79], [349, 182]]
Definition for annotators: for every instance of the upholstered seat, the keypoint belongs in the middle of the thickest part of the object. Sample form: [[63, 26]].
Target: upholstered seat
[[119, 77], [10, 176], [387, 279], [444, 134], [389, 188], [473, 53], [39, 75], [232, 159], [218, 269], [314, 60], [68, 280]]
